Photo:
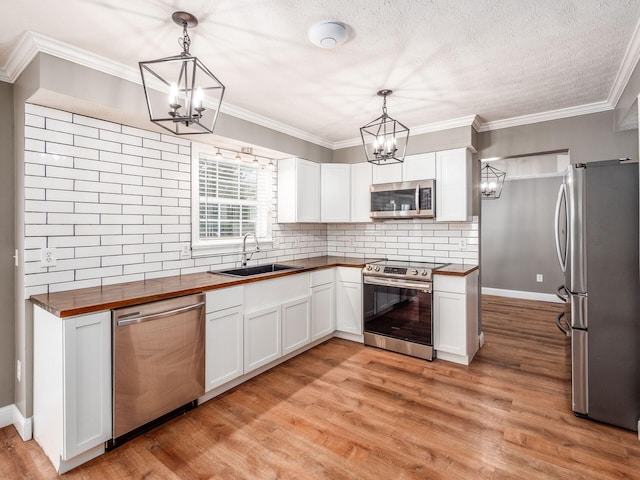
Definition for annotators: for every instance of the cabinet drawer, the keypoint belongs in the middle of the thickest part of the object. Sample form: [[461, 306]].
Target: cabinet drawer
[[224, 298], [449, 283], [349, 274], [320, 277]]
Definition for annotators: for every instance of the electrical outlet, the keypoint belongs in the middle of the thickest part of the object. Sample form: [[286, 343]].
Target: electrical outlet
[[296, 242], [19, 370], [462, 243], [539, 277], [48, 257], [351, 241], [276, 243], [185, 250]]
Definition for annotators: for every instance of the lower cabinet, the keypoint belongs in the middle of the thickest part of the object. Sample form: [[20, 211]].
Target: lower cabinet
[[323, 302], [72, 386], [296, 324], [349, 300], [455, 317], [262, 338]]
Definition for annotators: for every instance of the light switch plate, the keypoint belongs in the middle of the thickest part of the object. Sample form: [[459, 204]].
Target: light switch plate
[[48, 257], [185, 250], [539, 277]]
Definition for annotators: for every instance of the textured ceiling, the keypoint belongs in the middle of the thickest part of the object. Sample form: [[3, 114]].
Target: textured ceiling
[[444, 59]]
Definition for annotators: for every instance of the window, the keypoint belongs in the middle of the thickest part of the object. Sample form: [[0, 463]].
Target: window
[[229, 200]]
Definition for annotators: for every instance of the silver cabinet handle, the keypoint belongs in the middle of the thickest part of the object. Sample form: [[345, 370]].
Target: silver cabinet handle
[[566, 331], [417, 198], [156, 316]]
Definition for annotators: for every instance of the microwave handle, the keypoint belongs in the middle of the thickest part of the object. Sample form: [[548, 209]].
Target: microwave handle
[[417, 198]]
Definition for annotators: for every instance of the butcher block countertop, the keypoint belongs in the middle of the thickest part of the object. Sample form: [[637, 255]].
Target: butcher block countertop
[[96, 299], [456, 269]]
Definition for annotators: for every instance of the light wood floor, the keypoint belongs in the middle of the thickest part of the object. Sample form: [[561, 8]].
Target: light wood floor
[[343, 410]]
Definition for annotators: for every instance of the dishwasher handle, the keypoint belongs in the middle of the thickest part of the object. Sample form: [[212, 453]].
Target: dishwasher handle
[[157, 316]]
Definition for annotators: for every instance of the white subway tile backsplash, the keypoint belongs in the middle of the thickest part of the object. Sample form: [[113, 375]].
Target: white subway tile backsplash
[[121, 158], [144, 172], [122, 260], [107, 219], [141, 151], [177, 140], [140, 133], [71, 151], [158, 145], [100, 251], [160, 164], [122, 279], [47, 230], [120, 138], [70, 196], [48, 278], [141, 248], [48, 135], [75, 129], [43, 206], [124, 200], [73, 218], [32, 145], [34, 169], [99, 187], [33, 120], [139, 190], [98, 272], [121, 240], [74, 241], [97, 166], [71, 173], [121, 179], [94, 122], [47, 112], [98, 208], [98, 229], [48, 159], [96, 144], [65, 286]]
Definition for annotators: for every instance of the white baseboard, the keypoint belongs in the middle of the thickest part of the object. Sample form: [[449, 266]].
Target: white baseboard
[[6, 416], [11, 415], [541, 297]]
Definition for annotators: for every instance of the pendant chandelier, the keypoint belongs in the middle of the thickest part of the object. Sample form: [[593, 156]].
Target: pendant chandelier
[[491, 182], [384, 139], [191, 94]]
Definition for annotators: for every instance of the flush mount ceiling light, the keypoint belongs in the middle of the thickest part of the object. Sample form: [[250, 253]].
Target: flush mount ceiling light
[[328, 34], [384, 139], [191, 94], [491, 182]]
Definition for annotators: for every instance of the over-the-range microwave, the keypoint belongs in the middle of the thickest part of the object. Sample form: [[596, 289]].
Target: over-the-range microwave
[[415, 199]]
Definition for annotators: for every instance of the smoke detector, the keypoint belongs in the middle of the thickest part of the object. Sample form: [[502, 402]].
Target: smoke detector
[[329, 34]]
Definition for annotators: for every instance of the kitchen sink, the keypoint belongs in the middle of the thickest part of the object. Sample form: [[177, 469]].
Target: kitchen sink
[[258, 270]]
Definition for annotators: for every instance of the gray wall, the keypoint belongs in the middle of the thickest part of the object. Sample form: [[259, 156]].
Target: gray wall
[[7, 207], [517, 237]]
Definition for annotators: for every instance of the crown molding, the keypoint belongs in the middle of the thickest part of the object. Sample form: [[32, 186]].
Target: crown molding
[[628, 65], [546, 116], [32, 43]]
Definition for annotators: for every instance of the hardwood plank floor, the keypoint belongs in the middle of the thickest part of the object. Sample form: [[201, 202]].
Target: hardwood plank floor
[[342, 411]]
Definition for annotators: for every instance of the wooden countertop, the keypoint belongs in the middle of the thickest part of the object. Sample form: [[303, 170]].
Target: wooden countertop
[[456, 270], [87, 300]]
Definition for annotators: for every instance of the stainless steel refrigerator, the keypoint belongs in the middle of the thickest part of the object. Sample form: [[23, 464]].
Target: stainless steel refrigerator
[[597, 244]]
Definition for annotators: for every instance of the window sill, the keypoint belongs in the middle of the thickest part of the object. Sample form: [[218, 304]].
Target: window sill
[[229, 247]]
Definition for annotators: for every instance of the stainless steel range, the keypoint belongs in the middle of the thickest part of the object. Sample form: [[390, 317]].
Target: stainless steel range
[[397, 306]]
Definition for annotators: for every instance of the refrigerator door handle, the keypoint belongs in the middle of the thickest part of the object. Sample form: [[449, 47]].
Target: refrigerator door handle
[[567, 330], [562, 193], [564, 298]]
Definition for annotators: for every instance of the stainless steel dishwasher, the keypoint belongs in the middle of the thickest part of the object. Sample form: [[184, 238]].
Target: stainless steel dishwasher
[[158, 363]]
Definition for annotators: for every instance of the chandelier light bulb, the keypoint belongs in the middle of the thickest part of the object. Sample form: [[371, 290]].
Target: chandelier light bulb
[[173, 96]]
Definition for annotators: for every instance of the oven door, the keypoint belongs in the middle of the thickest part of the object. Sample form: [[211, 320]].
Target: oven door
[[398, 316]]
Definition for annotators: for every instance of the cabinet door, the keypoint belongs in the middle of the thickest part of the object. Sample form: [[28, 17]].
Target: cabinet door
[[224, 347], [349, 307], [323, 317], [296, 324], [419, 167], [453, 185], [87, 383], [262, 340], [449, 322], [335, 181], [308, 191], [387, 173], [361, 180]]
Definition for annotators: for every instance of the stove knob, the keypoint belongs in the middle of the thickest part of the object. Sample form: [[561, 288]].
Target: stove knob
[[377, 269], [369, 267], [414, 272], [424, 273]]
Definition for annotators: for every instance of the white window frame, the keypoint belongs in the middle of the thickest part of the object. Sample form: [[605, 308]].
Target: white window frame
[[200, 247]]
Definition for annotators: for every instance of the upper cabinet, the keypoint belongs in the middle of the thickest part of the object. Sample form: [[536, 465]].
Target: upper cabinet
[[298, 191], [453, 185], [391, 173], [419, 167], [335, 192], [361, 179]]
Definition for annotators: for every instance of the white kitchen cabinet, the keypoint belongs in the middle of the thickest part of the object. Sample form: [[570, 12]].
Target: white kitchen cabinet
[[453, 185], [349, 300], [455, 317], [387, 173], [224, 347], [72, 386], [262, 337], [296, 324], [323, 303], [361, 179], [298, 191], [419, 167], [335, 192]]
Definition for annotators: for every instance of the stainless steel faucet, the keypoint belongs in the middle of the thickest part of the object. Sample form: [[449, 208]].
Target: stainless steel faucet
[[246, 258]]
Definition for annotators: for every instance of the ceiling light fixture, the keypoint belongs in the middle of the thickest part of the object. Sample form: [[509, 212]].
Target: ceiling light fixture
[[328, 34], [491, 182], [219, 155], [192, 94], [238, 158], [384, 139]]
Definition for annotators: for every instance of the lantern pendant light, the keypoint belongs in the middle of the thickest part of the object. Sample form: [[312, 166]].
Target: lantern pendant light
[[491, 182], [182, 95], [384, 139]]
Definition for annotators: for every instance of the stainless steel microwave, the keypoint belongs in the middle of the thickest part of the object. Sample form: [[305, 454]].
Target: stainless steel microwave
[[415, 199]]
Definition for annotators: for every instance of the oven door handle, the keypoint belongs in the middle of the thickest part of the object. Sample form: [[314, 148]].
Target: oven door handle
[[392, 282]]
